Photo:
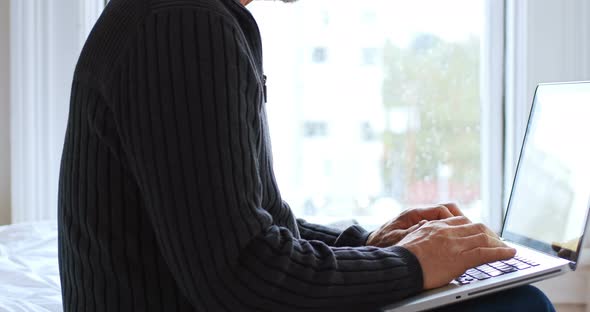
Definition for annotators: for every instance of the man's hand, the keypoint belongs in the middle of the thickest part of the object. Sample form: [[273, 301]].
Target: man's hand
[[447, 248], [410, 220]]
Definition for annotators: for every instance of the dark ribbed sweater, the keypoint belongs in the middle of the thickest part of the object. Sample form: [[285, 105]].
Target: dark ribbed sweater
[[168, 201]]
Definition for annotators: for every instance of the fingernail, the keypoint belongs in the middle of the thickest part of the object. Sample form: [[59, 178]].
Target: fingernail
[[512, 250]]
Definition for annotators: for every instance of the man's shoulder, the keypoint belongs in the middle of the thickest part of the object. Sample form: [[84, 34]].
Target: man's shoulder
[[211, 5], [119, 25]]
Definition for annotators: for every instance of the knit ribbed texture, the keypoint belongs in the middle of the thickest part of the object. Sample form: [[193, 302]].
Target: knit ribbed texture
[[168, 201]]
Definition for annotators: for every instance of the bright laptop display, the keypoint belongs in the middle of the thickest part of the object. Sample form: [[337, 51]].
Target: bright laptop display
[[551, 192]]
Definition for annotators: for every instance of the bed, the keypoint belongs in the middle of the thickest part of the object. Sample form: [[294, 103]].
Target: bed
[[29, 275]]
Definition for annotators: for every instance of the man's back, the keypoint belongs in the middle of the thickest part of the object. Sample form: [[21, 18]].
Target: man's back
[[108, 249], [167, 197]]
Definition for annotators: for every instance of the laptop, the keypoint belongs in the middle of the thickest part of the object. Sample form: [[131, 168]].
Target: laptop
[[547, 213]]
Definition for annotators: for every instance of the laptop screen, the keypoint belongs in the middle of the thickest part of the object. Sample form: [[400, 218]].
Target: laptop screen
[[550, 196]]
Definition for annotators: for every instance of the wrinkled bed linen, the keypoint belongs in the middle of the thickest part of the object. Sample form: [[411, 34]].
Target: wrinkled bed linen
[[29, 274]]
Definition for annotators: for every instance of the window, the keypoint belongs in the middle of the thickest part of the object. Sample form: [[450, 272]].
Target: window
[[369, 56], [326, 18], [319, 55], [367, 132], [369, 16], [404, 132], [314, 129]]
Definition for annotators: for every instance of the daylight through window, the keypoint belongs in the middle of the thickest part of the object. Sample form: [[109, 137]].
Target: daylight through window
[[390, 120]]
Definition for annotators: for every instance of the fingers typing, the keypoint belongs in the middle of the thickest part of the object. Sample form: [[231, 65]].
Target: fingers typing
[[481, 255], [475, 228], [454, 209]]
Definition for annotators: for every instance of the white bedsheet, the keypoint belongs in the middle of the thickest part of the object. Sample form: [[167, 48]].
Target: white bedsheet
[[29, 275]]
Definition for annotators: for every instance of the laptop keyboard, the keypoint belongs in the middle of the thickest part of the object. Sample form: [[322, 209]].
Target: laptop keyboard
[[494, 269]]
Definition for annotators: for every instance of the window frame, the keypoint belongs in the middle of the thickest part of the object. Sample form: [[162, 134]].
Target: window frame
[[492, 112]]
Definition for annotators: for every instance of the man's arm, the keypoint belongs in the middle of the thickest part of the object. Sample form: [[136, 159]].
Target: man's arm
[[190, 134], [310, 231], [353, 236]]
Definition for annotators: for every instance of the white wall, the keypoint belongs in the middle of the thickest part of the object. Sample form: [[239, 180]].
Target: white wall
[[4, 111]]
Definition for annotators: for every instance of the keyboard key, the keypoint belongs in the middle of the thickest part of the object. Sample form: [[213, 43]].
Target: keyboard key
[[508, 269], [484, 267], [463, 282], [521, 258], [494, 264], [522, 266], [471, 271], [478, 275], [495, 273], [504, 268], [489, 270], [525, 260], [512, 262]]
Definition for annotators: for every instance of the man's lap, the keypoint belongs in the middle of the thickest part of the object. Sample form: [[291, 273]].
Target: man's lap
[[524, 298]]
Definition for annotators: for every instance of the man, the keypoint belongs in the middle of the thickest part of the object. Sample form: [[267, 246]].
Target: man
[[168, 201]]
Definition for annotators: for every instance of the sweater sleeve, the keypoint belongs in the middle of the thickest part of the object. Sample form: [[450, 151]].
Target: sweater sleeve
[[353, 236], [184, 100]]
